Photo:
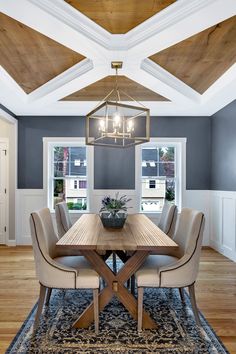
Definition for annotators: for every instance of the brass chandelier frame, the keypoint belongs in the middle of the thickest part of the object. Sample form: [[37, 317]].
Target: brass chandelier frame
[[117, 103]]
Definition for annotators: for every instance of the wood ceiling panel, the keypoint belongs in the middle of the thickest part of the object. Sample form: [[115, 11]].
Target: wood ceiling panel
[[31, 58], [119, 16], [201, 59], [98, 90]]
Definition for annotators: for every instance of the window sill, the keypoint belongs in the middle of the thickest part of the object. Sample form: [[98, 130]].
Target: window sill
[[151, 214], [74, 212]]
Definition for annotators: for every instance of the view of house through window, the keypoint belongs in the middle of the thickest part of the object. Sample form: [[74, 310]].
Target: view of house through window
[[158, 177], [70, 176]]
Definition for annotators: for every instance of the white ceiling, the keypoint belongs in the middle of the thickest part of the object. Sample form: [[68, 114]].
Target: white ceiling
[[66, 25]]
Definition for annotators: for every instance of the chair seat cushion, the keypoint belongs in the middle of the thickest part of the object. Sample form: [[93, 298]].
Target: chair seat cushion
[[148, 274], [87, 277]]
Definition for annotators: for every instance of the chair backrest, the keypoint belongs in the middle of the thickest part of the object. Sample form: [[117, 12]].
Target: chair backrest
[[189, 230], [49, 272], [62, 218], [43, 227], [188, 236], [168, 218]]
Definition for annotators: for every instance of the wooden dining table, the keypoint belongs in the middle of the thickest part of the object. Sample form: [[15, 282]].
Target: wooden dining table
[[139, 237]]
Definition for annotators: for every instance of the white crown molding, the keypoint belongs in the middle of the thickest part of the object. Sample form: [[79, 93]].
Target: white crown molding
[[67, 77], [222, 92], [171, 81], [166, 18], [176, 23], [53, 26], [69, 27], [7, 117], [74, 18]]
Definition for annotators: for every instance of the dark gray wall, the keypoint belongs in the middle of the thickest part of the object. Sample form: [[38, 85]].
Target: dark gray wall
[[223, 168], [114, 169], [197, 130], [31, 131]]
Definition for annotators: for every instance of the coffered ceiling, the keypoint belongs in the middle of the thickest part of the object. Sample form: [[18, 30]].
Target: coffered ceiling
[[31, 58], [178, 56], [201, 59], [98, 90], [119, 16]]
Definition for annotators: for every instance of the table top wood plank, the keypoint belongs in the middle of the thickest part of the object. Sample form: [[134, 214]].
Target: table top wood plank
[[147, 235], [83, 234], [138, 233], [116, 239]]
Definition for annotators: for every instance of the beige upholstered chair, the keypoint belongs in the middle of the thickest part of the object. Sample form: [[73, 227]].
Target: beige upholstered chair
[[178, 270], [59, 272], [168, 219], [63, 218], [63, 225]]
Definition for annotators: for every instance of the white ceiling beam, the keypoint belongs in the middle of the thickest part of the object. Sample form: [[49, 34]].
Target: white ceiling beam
[[176, 23], [81, 108], [221, 93], [66, 25], [64, 85], [58, 24], [11, 94], [167, 84]]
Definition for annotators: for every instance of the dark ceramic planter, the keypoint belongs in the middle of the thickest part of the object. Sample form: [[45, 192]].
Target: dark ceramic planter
[[113, 220]]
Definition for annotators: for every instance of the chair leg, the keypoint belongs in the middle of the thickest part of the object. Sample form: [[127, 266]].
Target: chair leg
[[140, 308], [181, 293], [194, 304], [40, 306], [49, 292], [114, 262], [96, 310]]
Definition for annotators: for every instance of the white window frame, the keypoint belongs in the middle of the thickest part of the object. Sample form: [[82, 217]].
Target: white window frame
[[180, 165], [48, 145]]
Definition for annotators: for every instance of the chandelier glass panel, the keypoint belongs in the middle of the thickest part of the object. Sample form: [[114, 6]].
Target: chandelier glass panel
[[115, 124]]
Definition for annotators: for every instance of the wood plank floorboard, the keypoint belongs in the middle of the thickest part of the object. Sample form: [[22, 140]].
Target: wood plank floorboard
[[215, 292]]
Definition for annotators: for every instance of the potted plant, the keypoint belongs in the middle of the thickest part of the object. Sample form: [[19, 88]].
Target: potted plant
[[114, 211]]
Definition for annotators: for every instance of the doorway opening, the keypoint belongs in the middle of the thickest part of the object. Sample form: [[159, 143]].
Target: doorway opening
[[4, 173]]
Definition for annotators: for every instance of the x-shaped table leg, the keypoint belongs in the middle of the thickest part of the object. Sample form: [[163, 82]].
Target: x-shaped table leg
[[115, 286]]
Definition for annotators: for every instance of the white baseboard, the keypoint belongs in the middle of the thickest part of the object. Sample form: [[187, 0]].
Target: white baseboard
[[11, 243], [224, 251]]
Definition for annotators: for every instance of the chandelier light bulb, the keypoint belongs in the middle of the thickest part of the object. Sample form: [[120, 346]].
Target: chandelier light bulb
[[116, 120], [130, 126], [102, 125]]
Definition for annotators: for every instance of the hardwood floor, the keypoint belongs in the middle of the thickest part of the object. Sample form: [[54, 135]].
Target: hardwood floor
[[215, 290]]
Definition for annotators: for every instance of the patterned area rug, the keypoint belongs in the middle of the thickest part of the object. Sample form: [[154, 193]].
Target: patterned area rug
[[176, 333]]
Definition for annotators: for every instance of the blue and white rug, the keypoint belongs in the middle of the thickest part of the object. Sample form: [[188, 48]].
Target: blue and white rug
[[176, 333]]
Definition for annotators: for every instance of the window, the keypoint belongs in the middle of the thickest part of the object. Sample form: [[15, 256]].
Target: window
[[162, 175], [152, 184], [82, 184], [66, 172]]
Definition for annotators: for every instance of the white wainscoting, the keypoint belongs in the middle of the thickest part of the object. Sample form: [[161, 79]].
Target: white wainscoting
[[200, 200], [29, 200], [223, 223]]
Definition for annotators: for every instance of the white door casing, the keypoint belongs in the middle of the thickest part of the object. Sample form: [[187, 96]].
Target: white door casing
[[3, 192]]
